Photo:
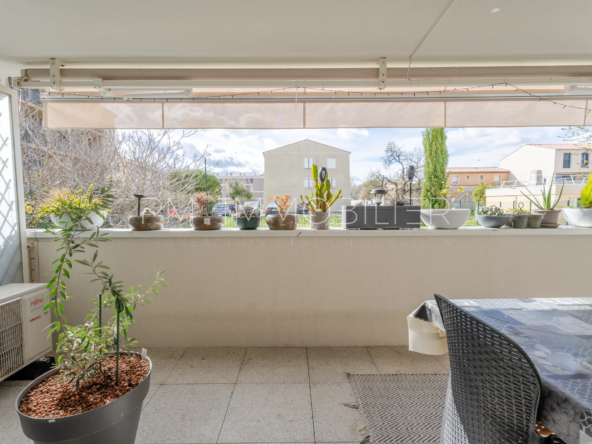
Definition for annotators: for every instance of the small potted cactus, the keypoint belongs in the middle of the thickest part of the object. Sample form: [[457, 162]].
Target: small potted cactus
[[492, 217], [204, 219], [248, 218], [282, 220], [320, 200]]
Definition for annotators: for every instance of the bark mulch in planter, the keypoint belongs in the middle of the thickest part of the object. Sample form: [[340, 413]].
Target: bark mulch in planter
[[55, 399]]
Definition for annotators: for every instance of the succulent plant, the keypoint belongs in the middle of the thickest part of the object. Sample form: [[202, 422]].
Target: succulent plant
[[321, 198], [548, 203], [491, 211], [247, 211], [204, 204]]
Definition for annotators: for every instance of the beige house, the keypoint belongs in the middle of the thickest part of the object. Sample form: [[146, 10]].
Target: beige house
[[288, 170], [470, 177]]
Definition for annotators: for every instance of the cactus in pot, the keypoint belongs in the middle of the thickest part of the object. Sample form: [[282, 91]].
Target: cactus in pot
[[321, 199]]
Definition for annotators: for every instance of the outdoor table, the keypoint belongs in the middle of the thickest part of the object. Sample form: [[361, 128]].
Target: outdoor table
[[556, 334]]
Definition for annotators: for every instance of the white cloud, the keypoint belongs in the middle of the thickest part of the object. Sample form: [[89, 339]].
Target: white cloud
[[352, 133]]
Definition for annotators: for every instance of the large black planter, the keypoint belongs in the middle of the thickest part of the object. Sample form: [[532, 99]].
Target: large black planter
[[116, 422], [248, 223]]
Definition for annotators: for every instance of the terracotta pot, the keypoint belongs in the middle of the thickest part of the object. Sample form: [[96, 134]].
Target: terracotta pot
[[279, 222], [207, 222], [550, 218], [320, 220]]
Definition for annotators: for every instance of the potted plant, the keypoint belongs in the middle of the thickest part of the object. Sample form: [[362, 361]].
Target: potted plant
[[518, 216], [95, 393], [248, 218], [492, 217], [204, 219], [546, 208], [581, 216], [282, 220], [64, 204], [449, 217], [320, 200]]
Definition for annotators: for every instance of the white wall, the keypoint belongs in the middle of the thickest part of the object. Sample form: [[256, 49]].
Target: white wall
[[527, 159], [335, 289]]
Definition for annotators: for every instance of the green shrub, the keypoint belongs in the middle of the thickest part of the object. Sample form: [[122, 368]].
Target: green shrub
[[586, 195], [436, 160]]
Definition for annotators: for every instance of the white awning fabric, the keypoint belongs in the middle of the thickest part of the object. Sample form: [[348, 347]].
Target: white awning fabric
[[95, 114]]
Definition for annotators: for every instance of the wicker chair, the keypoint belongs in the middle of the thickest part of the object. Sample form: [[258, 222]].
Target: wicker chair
[[494, 389]]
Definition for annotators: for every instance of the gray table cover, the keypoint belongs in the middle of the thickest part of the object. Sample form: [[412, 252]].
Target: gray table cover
[[557, 335]]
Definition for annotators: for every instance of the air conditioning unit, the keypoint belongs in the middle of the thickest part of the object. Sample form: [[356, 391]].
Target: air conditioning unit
[[23, 326]]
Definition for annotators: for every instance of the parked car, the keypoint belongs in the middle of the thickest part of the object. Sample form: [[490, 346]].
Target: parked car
[[252, 204], [272, 209], [221, 209], [302, 209]]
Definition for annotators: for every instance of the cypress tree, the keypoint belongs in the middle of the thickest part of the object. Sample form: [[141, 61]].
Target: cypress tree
[[436, 160]]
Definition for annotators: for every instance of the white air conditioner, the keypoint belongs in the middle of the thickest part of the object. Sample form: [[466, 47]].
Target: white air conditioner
[[23, 326]]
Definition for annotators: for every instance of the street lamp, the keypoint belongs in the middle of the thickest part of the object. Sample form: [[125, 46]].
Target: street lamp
[[410, 176]]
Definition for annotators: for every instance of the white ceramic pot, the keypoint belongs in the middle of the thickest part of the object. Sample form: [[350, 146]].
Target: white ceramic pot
[[578, 217], [449, 219], [96, 218]]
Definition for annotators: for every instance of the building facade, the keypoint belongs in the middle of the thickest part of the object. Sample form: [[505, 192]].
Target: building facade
[[288, 171], [470, 177], [251, 182]]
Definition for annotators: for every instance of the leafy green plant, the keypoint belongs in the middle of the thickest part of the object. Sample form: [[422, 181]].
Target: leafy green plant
[[548, 203], [321, 198], [436, 160], [518, 210], [478, 194], [491, 211], [586, 195], [204, 203], [247, 211], [82, 348], [237, 192]]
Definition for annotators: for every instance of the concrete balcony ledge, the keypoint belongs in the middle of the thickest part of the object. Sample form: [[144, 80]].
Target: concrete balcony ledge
[[333, 232]]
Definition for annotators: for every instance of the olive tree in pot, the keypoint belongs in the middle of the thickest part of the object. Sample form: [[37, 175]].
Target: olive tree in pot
[[94, 394], [320, 200], [546, 207], [582, 215]]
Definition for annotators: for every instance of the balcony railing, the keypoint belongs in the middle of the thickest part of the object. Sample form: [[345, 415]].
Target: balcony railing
[[571, 179]]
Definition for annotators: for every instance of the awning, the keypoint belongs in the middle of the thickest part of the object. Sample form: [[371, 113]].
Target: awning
[[94, 114]]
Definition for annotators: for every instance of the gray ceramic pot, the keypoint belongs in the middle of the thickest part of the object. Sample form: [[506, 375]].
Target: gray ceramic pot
[[550, 218], [534, 220], [207, 222], [320, 220], [277, 222], [519, 220], [116, 422], [492, 221]]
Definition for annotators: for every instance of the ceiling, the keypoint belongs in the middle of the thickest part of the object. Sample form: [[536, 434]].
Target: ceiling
[[233, 33]]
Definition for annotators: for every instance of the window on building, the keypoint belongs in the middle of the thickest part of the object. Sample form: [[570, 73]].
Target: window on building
[[468, 177], [497, 177], [308, 183], [481, 178], [455, 179], [331, 163], [566, 160], [308, 162], [333, 182], [584, 160]]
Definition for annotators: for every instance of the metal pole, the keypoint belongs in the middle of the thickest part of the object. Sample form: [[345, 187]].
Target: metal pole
[[117, 353], [410, 187]]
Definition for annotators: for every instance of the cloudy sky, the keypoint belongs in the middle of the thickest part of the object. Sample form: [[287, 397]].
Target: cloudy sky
[[241, 150]]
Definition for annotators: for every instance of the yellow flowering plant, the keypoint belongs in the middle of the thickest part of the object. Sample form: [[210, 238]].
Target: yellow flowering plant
[[72, 203], [452, 194]]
